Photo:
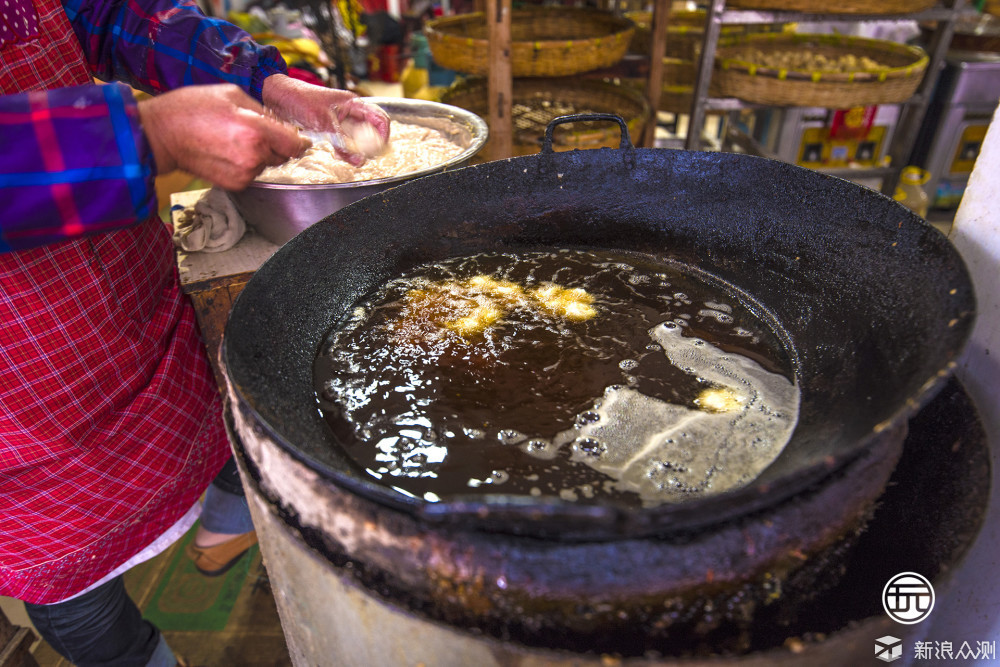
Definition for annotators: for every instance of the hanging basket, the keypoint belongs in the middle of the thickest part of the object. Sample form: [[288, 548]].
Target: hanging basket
[[546, 41], [685, 32], [750, 68]]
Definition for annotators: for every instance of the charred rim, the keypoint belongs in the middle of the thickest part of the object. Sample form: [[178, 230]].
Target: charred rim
[[713, 590]]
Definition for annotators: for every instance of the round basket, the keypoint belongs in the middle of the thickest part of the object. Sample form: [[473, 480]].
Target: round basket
[[749, 68], [684, 33], [537, 101], [842, 7], [546, 41]]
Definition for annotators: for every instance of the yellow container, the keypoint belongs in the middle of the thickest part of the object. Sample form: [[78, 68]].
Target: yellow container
[[910, 191]]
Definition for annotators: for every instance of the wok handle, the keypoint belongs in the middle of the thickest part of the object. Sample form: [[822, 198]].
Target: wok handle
[[626, 141]]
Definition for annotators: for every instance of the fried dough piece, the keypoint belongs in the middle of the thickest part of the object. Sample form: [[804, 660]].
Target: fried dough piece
[[469, 307]]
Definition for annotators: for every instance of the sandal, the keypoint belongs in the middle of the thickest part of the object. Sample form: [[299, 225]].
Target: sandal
[[216, 560]]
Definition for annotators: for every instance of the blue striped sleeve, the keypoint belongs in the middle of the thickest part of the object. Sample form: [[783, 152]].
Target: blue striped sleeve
[[158, 45], [79, 164]]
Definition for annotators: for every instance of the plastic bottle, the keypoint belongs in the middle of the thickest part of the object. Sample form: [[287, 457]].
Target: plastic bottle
[[910, 191], [416, 74]]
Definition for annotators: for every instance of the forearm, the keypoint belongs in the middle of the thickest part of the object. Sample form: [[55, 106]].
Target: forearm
[[159, 45], [78, 163]]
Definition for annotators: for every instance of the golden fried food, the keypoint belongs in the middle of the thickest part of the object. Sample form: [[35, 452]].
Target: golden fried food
[[720, 399], [573, 304], [471, 306]]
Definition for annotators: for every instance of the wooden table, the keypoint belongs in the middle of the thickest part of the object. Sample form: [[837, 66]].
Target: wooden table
[[213, 280]]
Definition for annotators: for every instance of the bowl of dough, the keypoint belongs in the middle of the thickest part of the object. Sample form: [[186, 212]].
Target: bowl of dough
[[424, 138]]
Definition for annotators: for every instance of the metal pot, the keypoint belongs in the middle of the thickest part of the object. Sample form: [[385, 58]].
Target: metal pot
[[279, 211], [875, 305]]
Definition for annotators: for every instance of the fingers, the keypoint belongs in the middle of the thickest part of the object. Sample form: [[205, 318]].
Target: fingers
[[284, 141], [357, 109], [353, 159], [267, 141], [240, 99], [348, 154]]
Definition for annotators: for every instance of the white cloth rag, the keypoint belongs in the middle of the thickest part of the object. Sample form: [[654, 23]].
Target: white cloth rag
[[213, 226]]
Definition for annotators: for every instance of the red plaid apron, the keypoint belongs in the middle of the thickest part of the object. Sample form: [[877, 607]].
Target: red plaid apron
[[110, 423]]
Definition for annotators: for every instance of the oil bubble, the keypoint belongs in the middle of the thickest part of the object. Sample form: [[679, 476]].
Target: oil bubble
[[540, 449], [510, 436], [724, 307], [416, 460], [720, 317], [498, 477], [589, 447]]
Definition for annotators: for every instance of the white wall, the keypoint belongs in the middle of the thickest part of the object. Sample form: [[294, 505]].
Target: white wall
[[969, 610]]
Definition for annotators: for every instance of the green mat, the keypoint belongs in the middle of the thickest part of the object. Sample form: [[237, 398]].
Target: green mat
[[187, 600]]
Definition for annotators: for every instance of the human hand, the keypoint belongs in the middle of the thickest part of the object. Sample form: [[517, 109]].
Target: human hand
[[329, 110], [218, 133]]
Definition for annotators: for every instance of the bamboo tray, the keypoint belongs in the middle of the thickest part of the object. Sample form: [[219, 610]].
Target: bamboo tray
[[902, 70], [685, 31], [546, 41]]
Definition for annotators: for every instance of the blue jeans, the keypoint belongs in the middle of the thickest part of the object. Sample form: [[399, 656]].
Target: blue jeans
[[225, 509], [104, 627], [101, 627]]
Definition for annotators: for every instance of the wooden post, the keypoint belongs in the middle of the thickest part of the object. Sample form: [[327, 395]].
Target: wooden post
[[654, 83], [500, 85]]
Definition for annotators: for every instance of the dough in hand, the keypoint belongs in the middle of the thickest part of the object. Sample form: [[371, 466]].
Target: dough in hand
[[365, 138]]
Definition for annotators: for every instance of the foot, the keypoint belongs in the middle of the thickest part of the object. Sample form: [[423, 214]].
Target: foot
[[217, 552], [205, 538]]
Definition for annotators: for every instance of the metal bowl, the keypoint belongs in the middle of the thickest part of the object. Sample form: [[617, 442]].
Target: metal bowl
[[279, 211]]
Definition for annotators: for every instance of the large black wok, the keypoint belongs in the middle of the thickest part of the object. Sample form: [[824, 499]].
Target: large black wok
[[875, 303]]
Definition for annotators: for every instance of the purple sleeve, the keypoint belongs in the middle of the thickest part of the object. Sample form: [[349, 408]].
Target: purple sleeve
[[158, 45], [75, 162]]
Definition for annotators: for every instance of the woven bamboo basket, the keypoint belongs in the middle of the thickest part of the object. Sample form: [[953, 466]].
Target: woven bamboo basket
[[902, 69], [684, 33], [546, 41], [673, 97], [839, 7], [537, 101], [677, 91]]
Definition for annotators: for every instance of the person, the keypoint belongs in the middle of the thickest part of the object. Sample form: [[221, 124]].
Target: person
[[110, 427]]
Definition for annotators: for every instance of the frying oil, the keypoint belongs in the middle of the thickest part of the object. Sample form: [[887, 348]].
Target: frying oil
[[575, 374]]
